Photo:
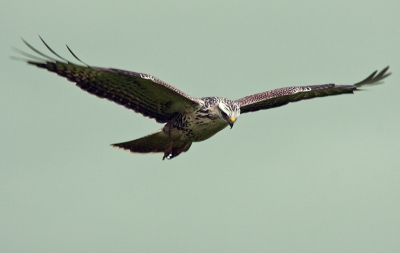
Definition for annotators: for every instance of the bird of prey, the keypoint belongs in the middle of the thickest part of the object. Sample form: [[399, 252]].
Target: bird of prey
[[187, 119]]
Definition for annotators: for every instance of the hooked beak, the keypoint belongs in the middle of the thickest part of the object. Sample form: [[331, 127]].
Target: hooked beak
[[231, 121]]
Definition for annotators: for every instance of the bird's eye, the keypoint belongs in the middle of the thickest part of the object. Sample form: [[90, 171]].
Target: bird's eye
[[224, 113]]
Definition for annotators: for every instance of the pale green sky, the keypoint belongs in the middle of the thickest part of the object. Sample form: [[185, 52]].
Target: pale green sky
[[315, 176]]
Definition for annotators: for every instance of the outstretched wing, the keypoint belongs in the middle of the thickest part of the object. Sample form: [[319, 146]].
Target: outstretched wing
[[140, 92], [283, 96]]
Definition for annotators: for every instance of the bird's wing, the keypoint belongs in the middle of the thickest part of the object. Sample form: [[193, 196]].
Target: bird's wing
[[140, 92], [283, 96]]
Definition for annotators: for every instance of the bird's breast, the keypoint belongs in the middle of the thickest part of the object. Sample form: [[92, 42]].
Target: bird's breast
[[194, 127]]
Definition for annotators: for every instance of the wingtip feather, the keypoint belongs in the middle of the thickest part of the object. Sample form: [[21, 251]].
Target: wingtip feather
[[374, 78]]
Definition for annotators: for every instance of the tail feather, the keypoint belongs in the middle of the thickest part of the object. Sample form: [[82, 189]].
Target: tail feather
[[155, 143], [152, 143]]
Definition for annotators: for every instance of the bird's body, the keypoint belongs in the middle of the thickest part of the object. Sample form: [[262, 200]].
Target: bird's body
[[186, 119], [178, 134]]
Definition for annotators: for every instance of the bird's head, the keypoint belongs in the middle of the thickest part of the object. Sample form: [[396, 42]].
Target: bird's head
[[229, 111]]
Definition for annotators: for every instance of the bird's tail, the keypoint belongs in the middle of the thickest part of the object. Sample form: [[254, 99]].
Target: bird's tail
[[154, 143]]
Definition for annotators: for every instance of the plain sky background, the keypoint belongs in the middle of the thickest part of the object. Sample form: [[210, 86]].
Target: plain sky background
[[315, 176]]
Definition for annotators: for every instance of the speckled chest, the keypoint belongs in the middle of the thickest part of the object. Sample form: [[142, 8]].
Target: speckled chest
[[197, 126]]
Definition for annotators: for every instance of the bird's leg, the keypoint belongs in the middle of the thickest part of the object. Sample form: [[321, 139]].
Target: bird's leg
[[168, 151]]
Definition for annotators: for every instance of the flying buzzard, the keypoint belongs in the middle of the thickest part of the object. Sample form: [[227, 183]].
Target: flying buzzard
[[187, 119]]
